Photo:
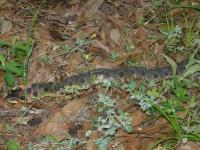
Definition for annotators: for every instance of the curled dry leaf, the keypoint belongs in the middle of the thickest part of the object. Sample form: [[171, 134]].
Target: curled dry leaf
[[99, 44]]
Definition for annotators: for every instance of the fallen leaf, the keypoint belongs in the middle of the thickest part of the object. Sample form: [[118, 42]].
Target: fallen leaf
[[145, 3], [139, 13], [189, 146], [115, 36], [6, 26], [58, 125], [91, 7]]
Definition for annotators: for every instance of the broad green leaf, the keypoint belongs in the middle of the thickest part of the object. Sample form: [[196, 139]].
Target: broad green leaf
[[9, 78], [4, 43], [20, 46], [181, 92], [2, 60], [191, 70], [128, 128], [49, 138], [197, 7], [172, 64], [28, 48], [14, 67], [12, 145]]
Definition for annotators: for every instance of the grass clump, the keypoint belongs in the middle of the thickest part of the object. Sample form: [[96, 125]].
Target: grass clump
[[172, 99]]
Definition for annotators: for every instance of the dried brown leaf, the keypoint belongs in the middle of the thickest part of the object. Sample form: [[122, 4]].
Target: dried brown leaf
[[145, 3], [115, 36], [91, 7], [58, 125], [6, 26], [189, 146]]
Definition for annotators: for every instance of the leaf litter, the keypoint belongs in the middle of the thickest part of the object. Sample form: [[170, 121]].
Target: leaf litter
[[72, 37]]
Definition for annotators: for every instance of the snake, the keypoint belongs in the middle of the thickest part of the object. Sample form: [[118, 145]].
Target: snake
[[85, 78]]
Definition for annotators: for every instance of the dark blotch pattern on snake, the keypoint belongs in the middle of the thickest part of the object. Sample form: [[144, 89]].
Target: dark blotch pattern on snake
[[85, 78]]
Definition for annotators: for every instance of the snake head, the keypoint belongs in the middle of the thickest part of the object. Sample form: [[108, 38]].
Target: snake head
[[16, 94]]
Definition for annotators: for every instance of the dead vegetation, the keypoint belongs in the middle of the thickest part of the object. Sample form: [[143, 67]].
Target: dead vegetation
[[56, 39]]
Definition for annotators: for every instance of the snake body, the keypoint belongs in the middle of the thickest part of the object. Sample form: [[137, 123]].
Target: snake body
[[85, 78]]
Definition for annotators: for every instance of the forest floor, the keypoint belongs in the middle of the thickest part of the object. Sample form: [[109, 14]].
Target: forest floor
[[45, 41]]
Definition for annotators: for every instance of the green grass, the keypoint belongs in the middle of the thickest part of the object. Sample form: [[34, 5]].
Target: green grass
[[12, 145], [152, 100], [179, 36], [165, 99]]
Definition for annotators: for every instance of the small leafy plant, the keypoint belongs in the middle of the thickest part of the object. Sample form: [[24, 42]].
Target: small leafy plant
[[47, 59], [49, 140], [114, 56], [109, 121], [12, 145], [13, 62], [173, 35], [73, 89]]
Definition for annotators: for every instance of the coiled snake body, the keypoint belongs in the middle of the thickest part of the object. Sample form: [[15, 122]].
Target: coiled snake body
[[85, 78]]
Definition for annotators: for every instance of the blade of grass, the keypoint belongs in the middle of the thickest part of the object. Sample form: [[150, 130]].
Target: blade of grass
[[172, 119], [161, 141], [172, 64], [191, 70], [197, 7], [29, 45]]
